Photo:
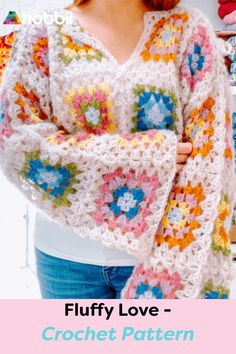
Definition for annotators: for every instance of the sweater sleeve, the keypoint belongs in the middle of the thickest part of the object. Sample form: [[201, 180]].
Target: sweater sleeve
[[191, 256], [110, 187]]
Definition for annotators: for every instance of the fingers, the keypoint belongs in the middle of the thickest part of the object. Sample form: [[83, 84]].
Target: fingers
[[184, 148], [183, 152], [182, 158], [179, 167]]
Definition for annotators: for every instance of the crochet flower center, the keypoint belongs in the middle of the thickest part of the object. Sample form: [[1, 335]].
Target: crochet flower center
[[196, 60], [175, 216], [126, 201], [50, 178], [92, 116], [156, 113]]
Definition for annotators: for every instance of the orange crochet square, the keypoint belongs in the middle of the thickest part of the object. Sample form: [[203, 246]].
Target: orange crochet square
[[228, 137], [165, 38], [181, 216], [199, 129], [6, 43], [29, 104]]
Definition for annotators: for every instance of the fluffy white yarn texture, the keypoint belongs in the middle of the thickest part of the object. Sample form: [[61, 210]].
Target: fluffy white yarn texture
[[92, 143]]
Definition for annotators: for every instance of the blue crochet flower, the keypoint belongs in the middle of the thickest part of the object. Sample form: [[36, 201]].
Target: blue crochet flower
[[126, 201], [157, 292], [49, 178], [155, 111], [142, 288], [213, 295], [55, 182], [212, 292], [196, 60]]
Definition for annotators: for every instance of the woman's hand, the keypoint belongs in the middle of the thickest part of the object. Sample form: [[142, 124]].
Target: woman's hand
[[183, 152]]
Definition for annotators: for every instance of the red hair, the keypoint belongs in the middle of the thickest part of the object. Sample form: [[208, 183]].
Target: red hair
[[163, 4], [156, 4]]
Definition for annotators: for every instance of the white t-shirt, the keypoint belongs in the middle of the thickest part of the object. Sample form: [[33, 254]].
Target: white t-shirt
[[61, 242]]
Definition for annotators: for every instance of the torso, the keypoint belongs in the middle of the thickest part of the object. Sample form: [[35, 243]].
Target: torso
[[92, 92], [123, 84]]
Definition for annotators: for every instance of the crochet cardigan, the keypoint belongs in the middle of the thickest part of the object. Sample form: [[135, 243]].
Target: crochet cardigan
[[92, 143]]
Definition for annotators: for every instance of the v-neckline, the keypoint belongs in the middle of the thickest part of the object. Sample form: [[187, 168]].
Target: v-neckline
[[97, 43]]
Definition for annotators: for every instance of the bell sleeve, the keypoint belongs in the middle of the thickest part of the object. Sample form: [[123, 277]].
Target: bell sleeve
[[191, 256], [109, 187]]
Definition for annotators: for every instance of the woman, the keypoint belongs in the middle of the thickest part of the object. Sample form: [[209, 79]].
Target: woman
[[93, 110]]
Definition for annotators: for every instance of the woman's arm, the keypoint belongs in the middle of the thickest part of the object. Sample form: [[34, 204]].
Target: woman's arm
[[73, 178], [191, 254]]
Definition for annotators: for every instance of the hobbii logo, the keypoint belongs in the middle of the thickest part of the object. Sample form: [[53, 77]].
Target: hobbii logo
[[47, 19]]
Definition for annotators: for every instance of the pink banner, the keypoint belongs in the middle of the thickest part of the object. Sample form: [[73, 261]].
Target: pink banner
[[92, 326]]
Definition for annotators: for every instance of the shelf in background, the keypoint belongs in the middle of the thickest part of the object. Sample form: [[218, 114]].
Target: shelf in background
[[225, 34]]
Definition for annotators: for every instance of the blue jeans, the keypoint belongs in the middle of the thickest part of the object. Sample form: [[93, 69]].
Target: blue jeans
[[63, 279]]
